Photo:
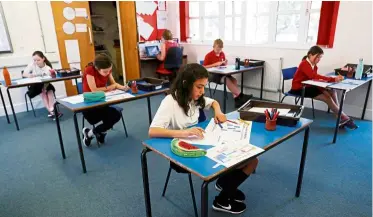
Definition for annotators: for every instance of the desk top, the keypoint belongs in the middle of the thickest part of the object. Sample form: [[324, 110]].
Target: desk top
[[230, 69], [203, 166], [79, 107], [347, 84], [43, 80]]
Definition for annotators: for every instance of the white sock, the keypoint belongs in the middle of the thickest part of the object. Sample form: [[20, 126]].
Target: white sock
[[90, 133]]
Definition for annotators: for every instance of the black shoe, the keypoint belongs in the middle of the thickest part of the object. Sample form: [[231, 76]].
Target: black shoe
[[86, 139], [100, 137], [59, 115], [350, 124], [229, 206], [239, 196], [241, 99]]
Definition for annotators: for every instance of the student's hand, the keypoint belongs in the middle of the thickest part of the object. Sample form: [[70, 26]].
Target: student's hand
[[220, 118], [339, 78], [217, 64], [111, 87], [196, 132], [124, 88]]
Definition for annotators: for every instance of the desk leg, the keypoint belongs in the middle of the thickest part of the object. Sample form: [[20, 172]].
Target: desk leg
[[339, 116], [79, 143], [303, 93], [11, 105], [242, 82], [145, 180], [302, 162], [366, 100], [76, 84], [149, 110], [225, 95], [204, 199], [59, 132], [261, 84], [6, 112]]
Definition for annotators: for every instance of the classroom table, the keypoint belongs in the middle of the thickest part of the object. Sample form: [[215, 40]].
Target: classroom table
[[230, 70], [345, 86], [43, 80], [204, 168], [85, 106], [2, 101]]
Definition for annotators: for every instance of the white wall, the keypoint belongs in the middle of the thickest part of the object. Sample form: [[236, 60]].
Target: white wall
[[26, 37], [353, 39]]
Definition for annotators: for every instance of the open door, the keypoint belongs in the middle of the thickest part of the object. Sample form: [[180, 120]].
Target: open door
[[73, 22]]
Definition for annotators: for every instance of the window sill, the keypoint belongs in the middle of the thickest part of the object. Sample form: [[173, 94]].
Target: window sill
[[274, 46]]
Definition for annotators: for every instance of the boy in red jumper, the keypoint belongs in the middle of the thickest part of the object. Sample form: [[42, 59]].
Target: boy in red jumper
[[307, 70], [216, 58]]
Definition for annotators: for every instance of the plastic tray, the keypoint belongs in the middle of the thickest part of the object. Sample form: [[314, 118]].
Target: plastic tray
[[67, 72], [253, 62], [246, 114], [367, 70], [151, 84]]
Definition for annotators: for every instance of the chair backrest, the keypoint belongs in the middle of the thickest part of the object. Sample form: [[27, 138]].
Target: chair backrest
[[174, 58], [288, 73], [201, 62]]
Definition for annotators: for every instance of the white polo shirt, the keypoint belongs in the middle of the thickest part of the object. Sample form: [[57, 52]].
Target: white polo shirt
[[171, 116]]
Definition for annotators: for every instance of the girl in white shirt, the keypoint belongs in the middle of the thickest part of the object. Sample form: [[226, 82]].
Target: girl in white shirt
[[180, 110], [40, 66]]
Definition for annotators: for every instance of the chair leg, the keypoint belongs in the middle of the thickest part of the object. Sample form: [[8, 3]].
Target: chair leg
[[215, 89], [166, 183], [193, 197], [124, 125], [32, 106], [328, 110], [210, 89], [313, 110], [297, 100], [282, 99], [26, 102], [82, 121]]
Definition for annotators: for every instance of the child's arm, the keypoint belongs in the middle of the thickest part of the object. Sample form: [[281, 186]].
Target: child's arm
[[27, 72], [92, 85], [115, 85], [214, 64], [162, 55], [219, 116], [162, 132]]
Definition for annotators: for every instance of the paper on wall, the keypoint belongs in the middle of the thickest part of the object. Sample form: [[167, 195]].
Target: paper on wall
[[81, 27], [162, 5], [69, 13], [68, 28], [72, 51], [146, 7], [145, 29], [81, 12], [162, 19]]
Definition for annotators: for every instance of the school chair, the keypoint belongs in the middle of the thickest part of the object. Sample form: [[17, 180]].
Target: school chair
[[201, 118], [288, 74], [172, 63]]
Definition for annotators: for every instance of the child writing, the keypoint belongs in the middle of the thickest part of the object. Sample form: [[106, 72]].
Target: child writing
[[216, 58], [40, 66], [180, 110], [307, 70], [95, 78], [167, 43]]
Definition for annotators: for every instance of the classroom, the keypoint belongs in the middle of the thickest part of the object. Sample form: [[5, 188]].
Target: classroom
[[186, 108]]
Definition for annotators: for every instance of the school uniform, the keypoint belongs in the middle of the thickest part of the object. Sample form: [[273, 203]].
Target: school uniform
[[307, 71], [36, 89], [212, 58], [108, 115], [171, 116]]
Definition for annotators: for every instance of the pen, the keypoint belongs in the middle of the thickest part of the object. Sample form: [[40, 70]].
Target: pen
[[232, 121], [220, 125]]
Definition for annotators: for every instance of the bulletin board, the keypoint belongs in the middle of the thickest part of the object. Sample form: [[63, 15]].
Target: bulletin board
[[151, 19], [5, 44]]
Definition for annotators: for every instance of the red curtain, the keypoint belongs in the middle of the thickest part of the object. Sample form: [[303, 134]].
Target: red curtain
[[184, 20], [328, 23]]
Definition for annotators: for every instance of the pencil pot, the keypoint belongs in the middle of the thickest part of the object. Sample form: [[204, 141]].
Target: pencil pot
[[270, 124]]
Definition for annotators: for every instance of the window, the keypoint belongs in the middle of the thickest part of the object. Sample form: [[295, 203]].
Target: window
[[255, 22]]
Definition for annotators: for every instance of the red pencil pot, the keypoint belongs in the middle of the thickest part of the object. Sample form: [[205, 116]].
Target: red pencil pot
[[270, 124]]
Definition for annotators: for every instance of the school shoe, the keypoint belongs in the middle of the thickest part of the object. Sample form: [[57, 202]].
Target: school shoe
[[239, 196], [241, 99], [100, 137], [350, 124], [86, 138], [59, 115], [50, 115], [229, 206]]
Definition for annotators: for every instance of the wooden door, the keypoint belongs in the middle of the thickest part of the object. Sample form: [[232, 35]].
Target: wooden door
[[85, 39], [129, 39]]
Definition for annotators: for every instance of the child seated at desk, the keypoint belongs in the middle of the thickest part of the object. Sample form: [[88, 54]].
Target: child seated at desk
[[167, 43], [307, 70], [216, 58], [40, 66], [180, 110], [95, 78]]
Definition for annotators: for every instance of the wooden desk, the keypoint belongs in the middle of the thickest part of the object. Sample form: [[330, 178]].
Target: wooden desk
[[148, 66]]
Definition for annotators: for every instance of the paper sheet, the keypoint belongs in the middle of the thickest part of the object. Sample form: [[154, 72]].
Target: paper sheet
[[28, 80], [353, 81], [72, 51], [68, 13], [74, 99], [81, 12], [261, 110], [161, 19], [162, 5], [145, 29], [81, 27], [317, 83], [215, 135], [114, 92], [233, 153], [145, 7], [68, 28], [118, 97]]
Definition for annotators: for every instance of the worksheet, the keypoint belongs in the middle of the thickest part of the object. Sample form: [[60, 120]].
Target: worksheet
[[74, 99], [114, 92], [28, 80]]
